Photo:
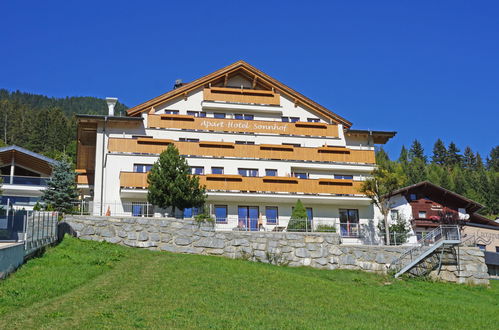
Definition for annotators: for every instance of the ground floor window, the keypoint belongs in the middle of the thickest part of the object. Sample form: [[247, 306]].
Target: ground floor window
[[481, 246], [271, 214], [349, 222], [248, 217], [221, 213], [191, 212]]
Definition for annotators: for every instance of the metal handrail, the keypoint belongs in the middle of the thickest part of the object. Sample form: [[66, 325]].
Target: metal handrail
[[441, 233]]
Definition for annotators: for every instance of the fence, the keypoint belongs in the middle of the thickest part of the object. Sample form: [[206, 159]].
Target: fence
[[34, 228]]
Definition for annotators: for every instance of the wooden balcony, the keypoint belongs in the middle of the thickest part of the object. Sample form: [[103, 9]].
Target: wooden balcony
[[238, 95], [84, 178], [237, 183], [244, 126], [227, 149]]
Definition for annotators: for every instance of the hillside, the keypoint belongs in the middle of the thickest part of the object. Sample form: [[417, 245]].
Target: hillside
[[85, 284], [45, 125]]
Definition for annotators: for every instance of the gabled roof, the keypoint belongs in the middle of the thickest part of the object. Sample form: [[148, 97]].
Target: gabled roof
[[427, 187], [248, 70], [29, 153]]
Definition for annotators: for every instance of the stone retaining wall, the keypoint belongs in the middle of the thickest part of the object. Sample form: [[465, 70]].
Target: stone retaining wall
[[318, 250]]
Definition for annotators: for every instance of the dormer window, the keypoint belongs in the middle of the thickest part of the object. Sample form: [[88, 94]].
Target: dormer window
[[422, 214]]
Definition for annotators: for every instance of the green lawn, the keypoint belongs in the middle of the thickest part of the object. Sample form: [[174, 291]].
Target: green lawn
[[83, 284]]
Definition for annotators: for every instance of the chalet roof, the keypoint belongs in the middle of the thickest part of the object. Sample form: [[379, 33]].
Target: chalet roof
[[379, 137], [27, 158], [476, 218], [428, 187], [240, 67]]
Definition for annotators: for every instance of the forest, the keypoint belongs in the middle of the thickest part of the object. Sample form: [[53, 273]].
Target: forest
[[45, 125], [465, 173], [48, 126]]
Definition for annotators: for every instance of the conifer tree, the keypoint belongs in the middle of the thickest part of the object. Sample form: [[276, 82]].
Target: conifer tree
[[416, 171], [439, 153], [453, 156], [417, 151], [171, 183], [299, 219], [403, 157], [493, 160], [469, 159], [61, 189]]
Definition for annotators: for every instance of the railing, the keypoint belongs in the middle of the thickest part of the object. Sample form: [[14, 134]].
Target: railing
[[349, 230], [41, 230], [439, 234], [25, 180], [221, 182], [241, 126], [239, 95], [228, 149]]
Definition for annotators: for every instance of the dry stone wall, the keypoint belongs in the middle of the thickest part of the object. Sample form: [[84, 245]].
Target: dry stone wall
[[318, 250]]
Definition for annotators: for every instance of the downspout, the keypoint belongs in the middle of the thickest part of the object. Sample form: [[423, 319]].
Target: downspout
[[102, 165]]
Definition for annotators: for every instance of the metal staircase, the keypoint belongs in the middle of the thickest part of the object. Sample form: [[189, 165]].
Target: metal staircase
[[420, 259]]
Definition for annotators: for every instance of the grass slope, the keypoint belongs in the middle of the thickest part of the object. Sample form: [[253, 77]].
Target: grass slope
[[86, 284]]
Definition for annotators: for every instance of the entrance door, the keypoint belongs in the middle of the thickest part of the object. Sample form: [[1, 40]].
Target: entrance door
[[248, 217]]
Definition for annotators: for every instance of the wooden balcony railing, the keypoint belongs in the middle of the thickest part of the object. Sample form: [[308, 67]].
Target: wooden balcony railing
[[226, 149], [238, 95], [221, 182], [85, 178], [245, 126]]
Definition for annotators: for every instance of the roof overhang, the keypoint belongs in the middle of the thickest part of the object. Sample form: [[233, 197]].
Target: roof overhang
[[244, 68], [379, 137], [97, 118]]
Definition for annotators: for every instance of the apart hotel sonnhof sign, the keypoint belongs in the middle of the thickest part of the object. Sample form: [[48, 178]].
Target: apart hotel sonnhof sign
[[257, 145]]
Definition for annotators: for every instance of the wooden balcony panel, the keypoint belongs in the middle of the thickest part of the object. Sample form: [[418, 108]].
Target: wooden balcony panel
[[236, 125], [334, 150], [257, 184], [240, 150], [154, 141], [236, 95], [85, 179]]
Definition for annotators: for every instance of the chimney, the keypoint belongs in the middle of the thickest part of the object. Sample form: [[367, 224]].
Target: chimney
[[178, 83], [111, 102]]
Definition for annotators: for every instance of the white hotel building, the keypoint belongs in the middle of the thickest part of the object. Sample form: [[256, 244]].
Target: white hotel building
[[257, 145]]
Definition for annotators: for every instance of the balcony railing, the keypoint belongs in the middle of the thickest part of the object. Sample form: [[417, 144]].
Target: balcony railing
[[239, 95], [228, 149], [25, 180], [266, 184], [245, 126]]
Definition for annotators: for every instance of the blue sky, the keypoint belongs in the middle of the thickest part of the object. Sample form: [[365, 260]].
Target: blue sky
[[426, 69]]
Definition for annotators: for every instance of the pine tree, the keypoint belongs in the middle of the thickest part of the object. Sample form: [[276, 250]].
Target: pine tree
[[493, 160], [382, 158], [453, 156], [299, 219], [439, 153], [479, 162], [61, 189], [171, 183], [403, 157], [417, 151], [469, 159], [416, 171]]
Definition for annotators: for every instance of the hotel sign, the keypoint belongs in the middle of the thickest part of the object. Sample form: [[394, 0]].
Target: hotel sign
[[244, 125]]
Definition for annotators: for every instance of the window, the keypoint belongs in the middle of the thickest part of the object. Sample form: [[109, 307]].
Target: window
[[481, 246], [188, 140], [217, 170], [171, 112], [219, 115], [313, 120], [270, 172], [191, 212], [245, 142], [343, 177], [290, 119], [271, 214], [300, 175], [292, 144], [394, 214], [197, 170], [243, 116], [247, 171], [200, 114], [221, 213], [141, 168], [349, 223], [310, 214], [422, 214], [497, 249], [412, 197]]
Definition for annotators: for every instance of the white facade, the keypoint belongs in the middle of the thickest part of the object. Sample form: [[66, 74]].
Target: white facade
[[325, 208]]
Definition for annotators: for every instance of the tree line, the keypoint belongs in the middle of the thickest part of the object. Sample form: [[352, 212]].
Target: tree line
[[45, 125], [465, 173]]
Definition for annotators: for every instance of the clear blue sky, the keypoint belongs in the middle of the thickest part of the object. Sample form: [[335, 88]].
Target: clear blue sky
[[426, 69]]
